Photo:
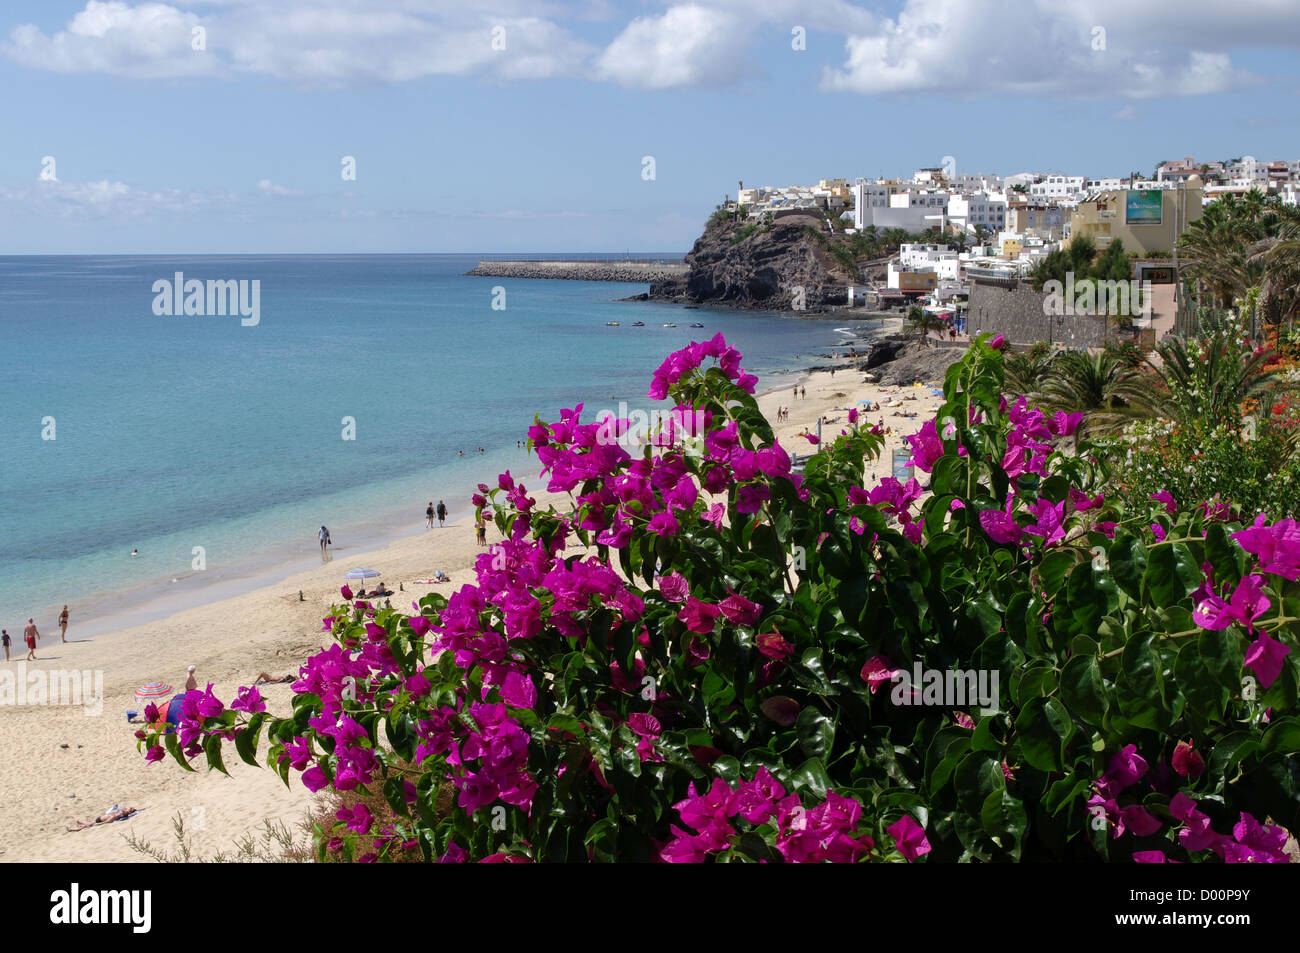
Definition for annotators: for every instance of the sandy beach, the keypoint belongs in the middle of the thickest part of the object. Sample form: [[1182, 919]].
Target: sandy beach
[[63, 765]]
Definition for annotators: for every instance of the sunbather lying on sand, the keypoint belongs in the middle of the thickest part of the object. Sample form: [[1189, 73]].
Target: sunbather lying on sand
[[115, 813], [263, 677]]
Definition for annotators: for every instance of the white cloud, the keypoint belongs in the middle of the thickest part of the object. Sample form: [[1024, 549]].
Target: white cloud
[[267, 187], [308, 41], [103, 199], [1047, 48], [1041, 47], [688, 45]]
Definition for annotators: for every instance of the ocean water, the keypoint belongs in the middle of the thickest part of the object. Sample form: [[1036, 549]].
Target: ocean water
[[172, 432]]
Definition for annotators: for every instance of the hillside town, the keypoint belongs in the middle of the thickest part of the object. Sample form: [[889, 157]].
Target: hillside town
[[994, 230]]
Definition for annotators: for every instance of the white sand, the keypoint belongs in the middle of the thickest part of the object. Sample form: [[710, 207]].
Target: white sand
[[46, 787]]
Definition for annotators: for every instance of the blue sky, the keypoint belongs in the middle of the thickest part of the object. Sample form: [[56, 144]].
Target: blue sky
[[159, 147]]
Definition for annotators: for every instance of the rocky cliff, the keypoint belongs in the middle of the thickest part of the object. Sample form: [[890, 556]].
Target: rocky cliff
[[764, 266]]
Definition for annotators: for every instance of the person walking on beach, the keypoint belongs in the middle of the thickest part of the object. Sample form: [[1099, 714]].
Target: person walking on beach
[[803, 392], [191, 683], [63, 623], [796, 392], [480, 530], [442, 513], [4, 637], [428, 515], [31, 635], [324, 537]]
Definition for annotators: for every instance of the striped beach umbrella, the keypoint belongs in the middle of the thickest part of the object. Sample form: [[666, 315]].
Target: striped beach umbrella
[[152, 691], [362, 574]]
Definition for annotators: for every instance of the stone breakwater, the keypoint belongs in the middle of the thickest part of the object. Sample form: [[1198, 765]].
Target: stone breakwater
[[637, 271]]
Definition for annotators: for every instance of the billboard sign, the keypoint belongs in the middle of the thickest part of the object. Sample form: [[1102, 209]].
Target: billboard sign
[[1143, 207], [902, 472]]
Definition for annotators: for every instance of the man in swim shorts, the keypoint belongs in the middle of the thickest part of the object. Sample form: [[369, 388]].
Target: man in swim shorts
[[31, 635]]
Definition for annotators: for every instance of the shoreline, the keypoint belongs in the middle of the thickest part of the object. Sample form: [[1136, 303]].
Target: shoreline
[[103, 611], [63, 766]]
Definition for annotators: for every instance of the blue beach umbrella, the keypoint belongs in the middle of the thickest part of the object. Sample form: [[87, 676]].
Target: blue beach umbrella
[[362, 574]]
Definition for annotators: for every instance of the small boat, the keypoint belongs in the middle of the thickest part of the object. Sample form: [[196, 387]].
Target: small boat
[[697, 325], [670, 325], [611, 324], [638, 324]]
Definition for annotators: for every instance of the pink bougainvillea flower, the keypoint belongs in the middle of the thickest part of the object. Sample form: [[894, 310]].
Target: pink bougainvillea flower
[[853, 415], [1167, 498], [878, 671], [1265, 657], [1196, 833], [751, 497], [345, 591], [699, 616], [1049, 522], [1082, 502], [1125, 768], [1158, 532], [910, 837], [249, 700], [1247, 604], [1108, 529], [963, 720], [1000, 525], [1149, 857], [927, 448], [1255, 843], [1063, 424], [738, 610], [812, 438], [674, 587], [1216, 509], [773, 645], [1277, 546], [155, 753], [664, 524], [1187, 761], [715, 514]]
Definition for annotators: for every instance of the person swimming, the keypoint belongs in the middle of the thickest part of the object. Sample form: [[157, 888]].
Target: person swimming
[[135, 552]]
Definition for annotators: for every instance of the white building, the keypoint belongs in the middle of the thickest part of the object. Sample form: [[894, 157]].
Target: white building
[[940, 259], [1058, 187], [977, 210]]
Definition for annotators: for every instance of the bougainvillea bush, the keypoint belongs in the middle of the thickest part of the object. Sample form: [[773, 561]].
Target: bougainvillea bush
[[709, 656]]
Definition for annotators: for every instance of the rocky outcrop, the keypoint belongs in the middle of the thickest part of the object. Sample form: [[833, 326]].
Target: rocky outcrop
[[898, 360], [774, 266]]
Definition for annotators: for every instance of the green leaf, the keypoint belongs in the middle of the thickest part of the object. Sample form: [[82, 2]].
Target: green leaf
[[1171, 574], [1283, 736], [212, 748], [246, 740], [1222, 656], [811, 776], [1005, 819], [1043, 728], [1083, 690], [1128, 562], [1053, 568], [816, 733]]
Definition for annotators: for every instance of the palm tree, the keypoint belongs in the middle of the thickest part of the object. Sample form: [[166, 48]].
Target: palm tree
[[1210, 378], [923, 322], [1026, 371], [1104, 387]]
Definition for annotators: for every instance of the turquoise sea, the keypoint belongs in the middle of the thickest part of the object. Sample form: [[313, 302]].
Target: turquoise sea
[[172, 432]]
